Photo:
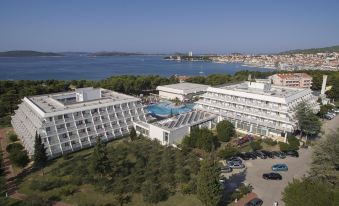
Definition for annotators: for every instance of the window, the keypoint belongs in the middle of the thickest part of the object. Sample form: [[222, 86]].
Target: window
[[166, 136]]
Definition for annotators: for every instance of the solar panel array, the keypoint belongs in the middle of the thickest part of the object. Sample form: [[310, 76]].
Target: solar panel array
[[185, 119]]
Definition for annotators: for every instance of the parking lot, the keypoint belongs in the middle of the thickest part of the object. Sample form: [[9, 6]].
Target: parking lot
[[270, 190]]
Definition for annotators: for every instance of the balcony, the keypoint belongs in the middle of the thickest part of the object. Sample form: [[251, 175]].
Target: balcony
[[69, 119], [82, 134], [61, 130], [117, 109], [59, 121], [80, 126], [92, 132]]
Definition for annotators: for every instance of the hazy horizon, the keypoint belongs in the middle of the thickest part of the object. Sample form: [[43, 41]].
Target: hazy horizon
[[161, 27]]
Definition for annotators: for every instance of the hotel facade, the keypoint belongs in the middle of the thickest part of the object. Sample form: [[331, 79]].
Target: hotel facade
[[70, 121], [258, 108]]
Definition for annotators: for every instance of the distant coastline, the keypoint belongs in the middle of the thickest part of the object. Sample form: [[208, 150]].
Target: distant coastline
[[28, 53]]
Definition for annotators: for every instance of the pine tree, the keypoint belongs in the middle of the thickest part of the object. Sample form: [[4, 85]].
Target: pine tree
[[308, 122], [133, 134], [208, 186], [225, 131], [99, 162], [40, 156]]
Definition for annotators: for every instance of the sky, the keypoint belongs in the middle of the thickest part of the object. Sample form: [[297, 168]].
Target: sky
[[159, 26]]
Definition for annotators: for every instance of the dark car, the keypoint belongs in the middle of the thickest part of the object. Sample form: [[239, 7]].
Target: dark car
[[268, 153], [278, 154], [252, 155], [272, 176], [245, 139], [261, 155], [254, 202], [225, 169], [244, 156], [292, 153]]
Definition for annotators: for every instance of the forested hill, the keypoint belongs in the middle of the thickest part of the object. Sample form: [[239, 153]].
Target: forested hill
[[27, 53], [313, 50]]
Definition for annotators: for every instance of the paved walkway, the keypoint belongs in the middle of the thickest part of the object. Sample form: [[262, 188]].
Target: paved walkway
[[10, 185]]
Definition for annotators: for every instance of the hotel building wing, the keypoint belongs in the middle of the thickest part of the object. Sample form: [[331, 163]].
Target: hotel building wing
[[258, 108], [70, 121]]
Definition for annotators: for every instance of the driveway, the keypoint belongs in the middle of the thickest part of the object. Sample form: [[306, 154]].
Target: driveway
[[270, 190]]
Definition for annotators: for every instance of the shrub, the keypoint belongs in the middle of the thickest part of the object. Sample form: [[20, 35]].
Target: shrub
[[270, 141], [255, 145], [227, 152], [36, 201], [68, 190], [189, 188], [19, 158], [14, 147], [245, 189], [46, 184], [294, 142], [12, 137]]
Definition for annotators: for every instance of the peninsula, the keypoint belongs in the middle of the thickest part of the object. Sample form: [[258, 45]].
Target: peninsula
[[27, 53]]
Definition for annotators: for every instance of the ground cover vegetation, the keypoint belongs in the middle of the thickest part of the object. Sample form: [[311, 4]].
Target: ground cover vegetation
[[119, 172]]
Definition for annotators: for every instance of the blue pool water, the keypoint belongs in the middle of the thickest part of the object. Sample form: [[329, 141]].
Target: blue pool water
[[164, 109]]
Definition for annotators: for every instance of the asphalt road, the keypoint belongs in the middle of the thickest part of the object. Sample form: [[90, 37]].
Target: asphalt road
[[270, 190]]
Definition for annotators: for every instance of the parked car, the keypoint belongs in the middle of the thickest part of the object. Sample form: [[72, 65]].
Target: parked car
[[272, 176], [254, 202], [328, 116], [261, 155], [235, 165], [268, 153], [234, 159], [278, 154], [292, 153], [245, 139], [252, 155], [225, 169], [244, 156], [335, 110], [279, 167]]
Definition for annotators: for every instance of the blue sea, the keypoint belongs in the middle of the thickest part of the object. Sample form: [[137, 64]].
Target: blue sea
[[76, 66]]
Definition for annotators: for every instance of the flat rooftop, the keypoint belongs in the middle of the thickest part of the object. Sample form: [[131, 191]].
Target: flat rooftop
[[189, 118], [83, 97], [263, 89], [185, 87]]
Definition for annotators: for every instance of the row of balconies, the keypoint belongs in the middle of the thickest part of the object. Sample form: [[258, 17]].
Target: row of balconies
[[83, 136], [248, 111], [263, 122], [243, 101], [118, 115]]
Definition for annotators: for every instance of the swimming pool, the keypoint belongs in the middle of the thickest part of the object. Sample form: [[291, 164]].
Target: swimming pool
[[164, 109]]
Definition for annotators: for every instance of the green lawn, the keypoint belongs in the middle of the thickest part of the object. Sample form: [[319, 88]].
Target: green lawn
[[86, 194]]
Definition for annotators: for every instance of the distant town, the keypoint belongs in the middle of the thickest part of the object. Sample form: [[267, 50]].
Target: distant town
[[309, 59]]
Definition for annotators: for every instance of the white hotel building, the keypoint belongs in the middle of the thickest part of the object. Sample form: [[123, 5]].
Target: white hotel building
[[170, 131], [70, 121], [257, 108]]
